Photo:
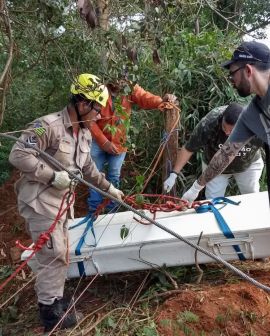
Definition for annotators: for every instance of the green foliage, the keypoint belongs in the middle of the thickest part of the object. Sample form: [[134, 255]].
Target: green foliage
[[166, 323], [5, 147], [139, 186], [10, 314], [140, 199], [131, 324], [184, 319], [124, 232], [53, 44], [5, 272], [148, 330], [188, 316]]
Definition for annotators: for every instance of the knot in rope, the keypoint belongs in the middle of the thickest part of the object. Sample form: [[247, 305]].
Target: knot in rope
[[42, 240], [167, 106]]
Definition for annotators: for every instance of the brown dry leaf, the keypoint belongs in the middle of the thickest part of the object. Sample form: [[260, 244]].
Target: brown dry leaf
[[23, 274], [3, 253]]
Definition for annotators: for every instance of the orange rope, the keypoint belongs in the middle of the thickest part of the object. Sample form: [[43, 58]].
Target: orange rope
[[162, 107]]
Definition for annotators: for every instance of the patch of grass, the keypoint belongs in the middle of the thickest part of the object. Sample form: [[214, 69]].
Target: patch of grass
[[251, 317], [5, 166], [10, 314], [17, 228], [187, 331], [187, 317], [109, 322], [5, 271], [126, 321], [166, 323], [171, 325], [149, 330], [251, 333], [222, 319]]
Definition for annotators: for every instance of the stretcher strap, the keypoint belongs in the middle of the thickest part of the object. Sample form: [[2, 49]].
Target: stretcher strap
[[89, 220], [221, 222]]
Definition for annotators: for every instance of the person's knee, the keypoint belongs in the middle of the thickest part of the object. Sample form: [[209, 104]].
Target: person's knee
[[214, 192], [248, 186]]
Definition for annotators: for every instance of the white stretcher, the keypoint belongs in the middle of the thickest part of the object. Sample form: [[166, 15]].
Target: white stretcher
[[147, 246]]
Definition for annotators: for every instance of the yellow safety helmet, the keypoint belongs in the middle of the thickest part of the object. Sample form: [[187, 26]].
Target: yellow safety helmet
[[91, 88]]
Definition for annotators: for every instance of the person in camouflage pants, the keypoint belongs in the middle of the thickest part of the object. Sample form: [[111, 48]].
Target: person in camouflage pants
[[209, 136]]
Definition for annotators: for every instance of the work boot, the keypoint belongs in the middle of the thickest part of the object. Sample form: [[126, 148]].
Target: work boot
[[50, 315], [66, 303]]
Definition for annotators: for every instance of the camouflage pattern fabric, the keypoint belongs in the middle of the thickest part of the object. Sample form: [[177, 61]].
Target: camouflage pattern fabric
[[209, 137]]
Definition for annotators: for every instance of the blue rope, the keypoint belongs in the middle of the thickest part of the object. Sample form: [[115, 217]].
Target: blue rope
[[221, 222], [89, 220]]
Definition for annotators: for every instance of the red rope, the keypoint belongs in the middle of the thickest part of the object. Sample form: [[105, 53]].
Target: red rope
[[165, 203], [43, 238]]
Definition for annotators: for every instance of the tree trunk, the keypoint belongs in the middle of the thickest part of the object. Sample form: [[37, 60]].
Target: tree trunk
[[103, 10], [171, 146]]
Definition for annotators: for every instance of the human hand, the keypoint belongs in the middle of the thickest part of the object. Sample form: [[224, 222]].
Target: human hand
[[170, 182], [61, 180], [170, 98], [110, 148], [115, 192], [193, 192]]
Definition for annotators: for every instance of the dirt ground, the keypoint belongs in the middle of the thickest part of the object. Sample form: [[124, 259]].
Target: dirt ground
[[221, 304]]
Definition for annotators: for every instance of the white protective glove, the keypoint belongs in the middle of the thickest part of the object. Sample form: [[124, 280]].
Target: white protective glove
[[193, 192], [170, 98], [61, 180], [115, 192], [170, 182]]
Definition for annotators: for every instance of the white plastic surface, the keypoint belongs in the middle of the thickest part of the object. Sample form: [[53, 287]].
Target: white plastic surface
[[148, 244]]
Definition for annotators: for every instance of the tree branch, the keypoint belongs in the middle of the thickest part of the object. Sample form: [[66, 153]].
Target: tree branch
[[4, 82]]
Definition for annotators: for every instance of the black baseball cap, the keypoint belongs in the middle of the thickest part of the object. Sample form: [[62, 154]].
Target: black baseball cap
[[249, 52]]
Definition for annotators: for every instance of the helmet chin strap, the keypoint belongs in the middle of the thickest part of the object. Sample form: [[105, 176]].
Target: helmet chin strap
[[79, 117]]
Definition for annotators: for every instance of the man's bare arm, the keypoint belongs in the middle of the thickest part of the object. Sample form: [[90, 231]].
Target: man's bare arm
[[220, 161]]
